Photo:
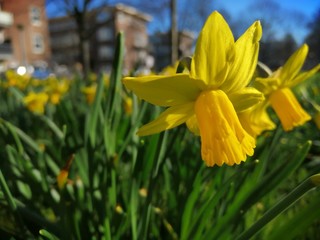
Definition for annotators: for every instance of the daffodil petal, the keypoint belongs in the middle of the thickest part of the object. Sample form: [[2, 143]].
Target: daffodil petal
[[293, 65], [245, 98], [245, 60], [303, 76], [164, 90], [256, 120], [192, 124], [266, 85], [170, 118], [213, 45]]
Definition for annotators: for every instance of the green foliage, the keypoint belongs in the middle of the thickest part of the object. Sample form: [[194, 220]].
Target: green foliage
[[121, 186]]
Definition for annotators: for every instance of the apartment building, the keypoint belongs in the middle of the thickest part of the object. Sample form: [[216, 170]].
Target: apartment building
[[28, 36], [6, 20], [108, 22]]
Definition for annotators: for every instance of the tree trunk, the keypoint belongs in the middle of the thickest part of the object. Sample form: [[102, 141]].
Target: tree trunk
[[174, 33], [85, 57]]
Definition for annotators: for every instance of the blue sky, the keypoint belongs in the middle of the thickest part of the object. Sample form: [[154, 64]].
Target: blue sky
[[285, 15], [302, 11]]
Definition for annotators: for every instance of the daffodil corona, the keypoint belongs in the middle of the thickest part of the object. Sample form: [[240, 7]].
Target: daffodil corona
[[288, 109], [220, 127], [209, 97]]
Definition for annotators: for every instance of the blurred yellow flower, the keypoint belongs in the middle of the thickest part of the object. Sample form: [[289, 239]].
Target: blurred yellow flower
[[119, 209], [256, 119], [143, 192], [92, 77], [16, 80], [276, 89], [35, 102], [106, 79], [127, 105], [62, 177], [56, 89], [210, 96], [90, 92]]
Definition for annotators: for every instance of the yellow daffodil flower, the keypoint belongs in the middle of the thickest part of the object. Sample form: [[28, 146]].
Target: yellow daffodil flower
[[62, 177], [127, 105], [256, 120], [170, 70], [106, 79], [276, 89], [209, 97], [16, 80], [56, 89], [90, 92], [35, 102]]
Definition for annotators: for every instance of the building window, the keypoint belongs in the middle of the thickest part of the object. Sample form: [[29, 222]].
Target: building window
[[38, 44], [35, 15], [105, 34], [140, 40], [105, 52]]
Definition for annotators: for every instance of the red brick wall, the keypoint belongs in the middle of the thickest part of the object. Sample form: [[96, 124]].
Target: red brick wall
[[22, 39]]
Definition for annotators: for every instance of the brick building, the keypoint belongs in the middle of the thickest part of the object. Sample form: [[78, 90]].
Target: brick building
[[28, 35], [108, 22], [6, 20]]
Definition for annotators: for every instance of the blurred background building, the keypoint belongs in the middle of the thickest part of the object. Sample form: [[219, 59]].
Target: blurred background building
[[78, 36], [27, 37], [6, 21], [108, 21]]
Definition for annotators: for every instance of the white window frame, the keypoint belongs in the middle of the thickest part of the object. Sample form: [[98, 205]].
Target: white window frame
[[37, 43], [35, 15]]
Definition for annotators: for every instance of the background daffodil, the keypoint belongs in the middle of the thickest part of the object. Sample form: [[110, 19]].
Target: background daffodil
[[35, 102], [210, 95], [277, 90], [256, 119]]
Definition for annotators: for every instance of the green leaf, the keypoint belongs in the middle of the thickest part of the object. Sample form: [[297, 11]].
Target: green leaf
[[7, 193], [59, 133], [299, 223], [92, 116], [278, 175], [19, 134], [188, 211], [281, 206], [47, 235]]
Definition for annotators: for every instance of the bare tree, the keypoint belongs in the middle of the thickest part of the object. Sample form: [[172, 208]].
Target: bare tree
[[275, 18], [174, 32], [192, 14], [313, 39], [84, 17]]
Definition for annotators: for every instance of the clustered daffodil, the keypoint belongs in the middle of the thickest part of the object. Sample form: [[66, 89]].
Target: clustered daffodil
[[56, 89], [256, 119], [35, 102], [90, 92], [16, 80], [277, 89], [209, 97]]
